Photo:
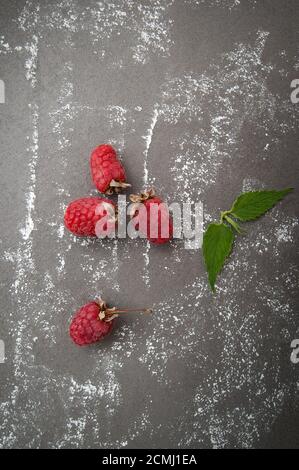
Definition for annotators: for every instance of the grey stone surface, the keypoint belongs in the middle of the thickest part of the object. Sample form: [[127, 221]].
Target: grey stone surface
[[195, 96]]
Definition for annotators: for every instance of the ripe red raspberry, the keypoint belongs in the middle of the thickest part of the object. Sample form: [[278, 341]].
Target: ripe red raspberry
[[107, 172], [82, 215], [94, 321], [160, 224], [87, 327]]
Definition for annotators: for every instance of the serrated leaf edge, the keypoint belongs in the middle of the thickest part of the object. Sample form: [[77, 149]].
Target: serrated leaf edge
[[226, 258], [286, 191]]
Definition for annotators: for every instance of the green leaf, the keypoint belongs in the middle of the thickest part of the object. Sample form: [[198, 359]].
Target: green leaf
[[217, 244], [251, 205]]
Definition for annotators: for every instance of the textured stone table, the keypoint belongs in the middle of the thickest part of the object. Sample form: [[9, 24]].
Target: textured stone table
[[195, 96]]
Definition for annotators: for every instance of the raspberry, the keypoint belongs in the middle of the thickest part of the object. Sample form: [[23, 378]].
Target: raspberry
[[163, 218], [87, 327], [94, 321], [82, 215], [107, 172]]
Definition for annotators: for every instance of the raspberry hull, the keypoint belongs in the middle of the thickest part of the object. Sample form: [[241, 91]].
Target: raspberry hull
[[82, 216], [107, 172], [87, 327]]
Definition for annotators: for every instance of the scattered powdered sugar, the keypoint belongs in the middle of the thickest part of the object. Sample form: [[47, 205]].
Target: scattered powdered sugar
[[116, 115], [226, 4], [284, 232], [33, 153], [252, 184], [4, 46], [31, 62], [148, 25], [148, 181], [148, 140], [153, 26], [237, 81], [29, 17]]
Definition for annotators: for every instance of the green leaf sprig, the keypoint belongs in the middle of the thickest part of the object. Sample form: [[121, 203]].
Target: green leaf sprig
[[219, 237]]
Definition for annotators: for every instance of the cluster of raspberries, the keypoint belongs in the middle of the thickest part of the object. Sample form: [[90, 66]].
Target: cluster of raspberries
[[96, 216]]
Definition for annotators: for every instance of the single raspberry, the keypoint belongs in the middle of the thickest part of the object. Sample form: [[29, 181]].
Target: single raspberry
[[94, 321], [107, 172], [87, 327], [82, 216], [157, 219]]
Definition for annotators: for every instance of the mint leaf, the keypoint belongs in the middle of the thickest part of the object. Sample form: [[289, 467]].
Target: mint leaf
[[217, 244], [251, 205]]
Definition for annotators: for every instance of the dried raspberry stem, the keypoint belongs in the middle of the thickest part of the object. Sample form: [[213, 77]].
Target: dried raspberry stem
[[108, 314], [144, 196], [119, 184], [131, 310]]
